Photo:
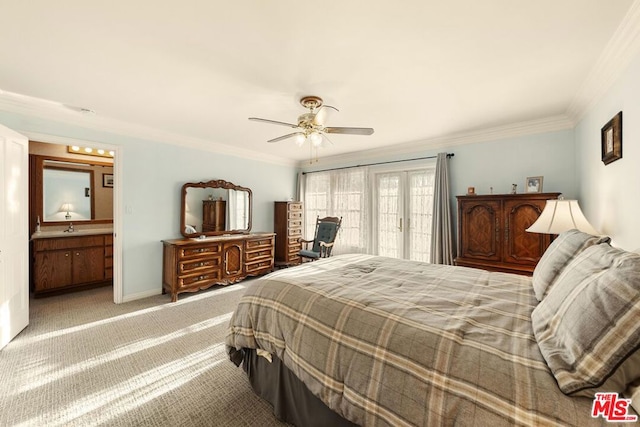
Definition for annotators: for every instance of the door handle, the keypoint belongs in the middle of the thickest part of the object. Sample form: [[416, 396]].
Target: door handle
[[400, 225]]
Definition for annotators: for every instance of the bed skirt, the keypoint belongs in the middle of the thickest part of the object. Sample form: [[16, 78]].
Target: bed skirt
[[291, 400]]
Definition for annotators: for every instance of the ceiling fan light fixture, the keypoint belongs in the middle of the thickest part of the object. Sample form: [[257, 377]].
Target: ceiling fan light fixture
[[300, 139], [315, 138]]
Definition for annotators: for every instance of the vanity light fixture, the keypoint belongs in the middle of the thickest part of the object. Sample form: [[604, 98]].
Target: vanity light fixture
[[90, 151]]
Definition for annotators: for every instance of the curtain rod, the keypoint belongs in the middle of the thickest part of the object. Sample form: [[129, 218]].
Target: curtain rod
[[449, 155]]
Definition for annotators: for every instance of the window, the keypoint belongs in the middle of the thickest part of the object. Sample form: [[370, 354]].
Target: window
[[341, 194], [389, 214]]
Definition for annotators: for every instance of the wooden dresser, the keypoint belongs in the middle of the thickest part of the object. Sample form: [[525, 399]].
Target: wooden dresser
[[192, 264], [70, 262], [287, 223], [491, 231]]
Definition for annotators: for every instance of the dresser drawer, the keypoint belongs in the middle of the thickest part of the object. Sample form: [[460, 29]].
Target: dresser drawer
[[294, 242], [259, 266], [203, 265], [198, 279], [267, 242], [295, 215], [198, 252], [295, 207], [294, 258], [262, 253], [294, 223]]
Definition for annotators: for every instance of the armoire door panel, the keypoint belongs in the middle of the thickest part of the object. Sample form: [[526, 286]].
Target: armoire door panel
[[481, 230], [520, 245]]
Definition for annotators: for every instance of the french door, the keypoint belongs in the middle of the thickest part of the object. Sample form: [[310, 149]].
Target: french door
[[403, 211]]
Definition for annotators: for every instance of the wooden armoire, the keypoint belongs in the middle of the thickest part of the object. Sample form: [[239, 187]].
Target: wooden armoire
[[214, 214], [491, 231]]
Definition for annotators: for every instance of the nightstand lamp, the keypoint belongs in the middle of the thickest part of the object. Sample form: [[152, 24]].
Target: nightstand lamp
[[561, 215]]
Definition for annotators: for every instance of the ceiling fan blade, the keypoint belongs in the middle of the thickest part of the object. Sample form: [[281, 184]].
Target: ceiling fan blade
[[280, 138], [350, 131], [275, 122], [321, 115], [326, 138]]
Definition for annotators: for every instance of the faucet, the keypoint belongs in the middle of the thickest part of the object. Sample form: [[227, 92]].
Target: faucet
[[70, 229]]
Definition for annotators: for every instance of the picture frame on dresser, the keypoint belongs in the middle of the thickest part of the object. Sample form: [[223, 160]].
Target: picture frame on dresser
[[533, 184], [611, 139]]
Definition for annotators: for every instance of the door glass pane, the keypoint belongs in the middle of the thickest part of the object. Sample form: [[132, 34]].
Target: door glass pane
[[420, 214], [388, 203]]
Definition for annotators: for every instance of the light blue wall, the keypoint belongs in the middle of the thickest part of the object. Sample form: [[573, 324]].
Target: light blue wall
[[153, 174], [610, 194], [499, 164], [503, 162]]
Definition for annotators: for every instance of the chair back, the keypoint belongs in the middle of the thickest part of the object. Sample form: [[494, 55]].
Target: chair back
[[326, 231]]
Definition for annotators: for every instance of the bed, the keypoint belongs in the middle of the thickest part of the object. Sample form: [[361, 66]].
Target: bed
[[374, 341]]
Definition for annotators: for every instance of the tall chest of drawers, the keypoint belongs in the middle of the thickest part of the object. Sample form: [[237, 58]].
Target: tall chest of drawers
[[287, 223], [190, 265]]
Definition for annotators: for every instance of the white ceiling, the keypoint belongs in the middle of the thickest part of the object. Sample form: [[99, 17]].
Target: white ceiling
[[416, 70]]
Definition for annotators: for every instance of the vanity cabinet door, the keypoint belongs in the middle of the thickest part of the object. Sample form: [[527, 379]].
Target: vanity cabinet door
[[88, 265], [52, 270], [68, 263]]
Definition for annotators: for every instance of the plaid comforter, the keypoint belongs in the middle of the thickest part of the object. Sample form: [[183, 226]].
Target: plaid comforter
[[383, 341]]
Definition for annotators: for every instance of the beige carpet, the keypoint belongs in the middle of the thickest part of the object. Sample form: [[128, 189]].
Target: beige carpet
[[84, 361]]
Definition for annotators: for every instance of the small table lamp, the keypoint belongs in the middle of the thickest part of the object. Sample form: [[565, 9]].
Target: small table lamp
[[66, 207], [561, 215]]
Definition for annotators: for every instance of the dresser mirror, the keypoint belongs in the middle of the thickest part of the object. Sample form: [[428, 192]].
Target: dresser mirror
[[70, 190], [214, 208]]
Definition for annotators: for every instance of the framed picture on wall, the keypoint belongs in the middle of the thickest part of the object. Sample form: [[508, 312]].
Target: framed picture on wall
[[533, 184], [611, 136], [107, 180]]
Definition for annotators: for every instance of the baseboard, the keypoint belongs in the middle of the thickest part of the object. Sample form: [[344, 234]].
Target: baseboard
[[140, 295]]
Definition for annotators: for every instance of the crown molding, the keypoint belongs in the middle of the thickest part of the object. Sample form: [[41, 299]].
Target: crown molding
[[614, 60], [549, 124], [48, 110]]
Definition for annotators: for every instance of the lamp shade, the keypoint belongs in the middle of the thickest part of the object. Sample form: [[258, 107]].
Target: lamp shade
[[559, 216], [66, 207]]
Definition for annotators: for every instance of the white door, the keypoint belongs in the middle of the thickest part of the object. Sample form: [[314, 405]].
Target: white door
[[404, 208], [14, 234]]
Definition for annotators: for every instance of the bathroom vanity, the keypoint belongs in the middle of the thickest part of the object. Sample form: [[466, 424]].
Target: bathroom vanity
[[64, 261]]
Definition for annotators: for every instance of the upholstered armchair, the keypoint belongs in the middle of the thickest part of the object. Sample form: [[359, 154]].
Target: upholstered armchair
[[325, 236]]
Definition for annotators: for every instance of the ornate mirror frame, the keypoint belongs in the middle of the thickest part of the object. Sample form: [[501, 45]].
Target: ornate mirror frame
[[213, 184]]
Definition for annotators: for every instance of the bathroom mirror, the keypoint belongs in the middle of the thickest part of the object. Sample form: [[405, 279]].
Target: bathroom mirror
[[67, 194], [70, 190], [214, 208]]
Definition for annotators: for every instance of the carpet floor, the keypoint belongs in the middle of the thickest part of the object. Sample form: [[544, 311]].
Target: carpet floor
[[85, 361]]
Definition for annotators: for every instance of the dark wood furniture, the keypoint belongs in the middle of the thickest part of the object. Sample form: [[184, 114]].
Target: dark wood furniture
[[214, 213], [322, 243], [287, 223], [491, 231], [190, 265], [67, 263]]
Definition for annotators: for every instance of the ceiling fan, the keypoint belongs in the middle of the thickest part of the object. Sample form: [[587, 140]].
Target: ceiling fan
[[310, 126]]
